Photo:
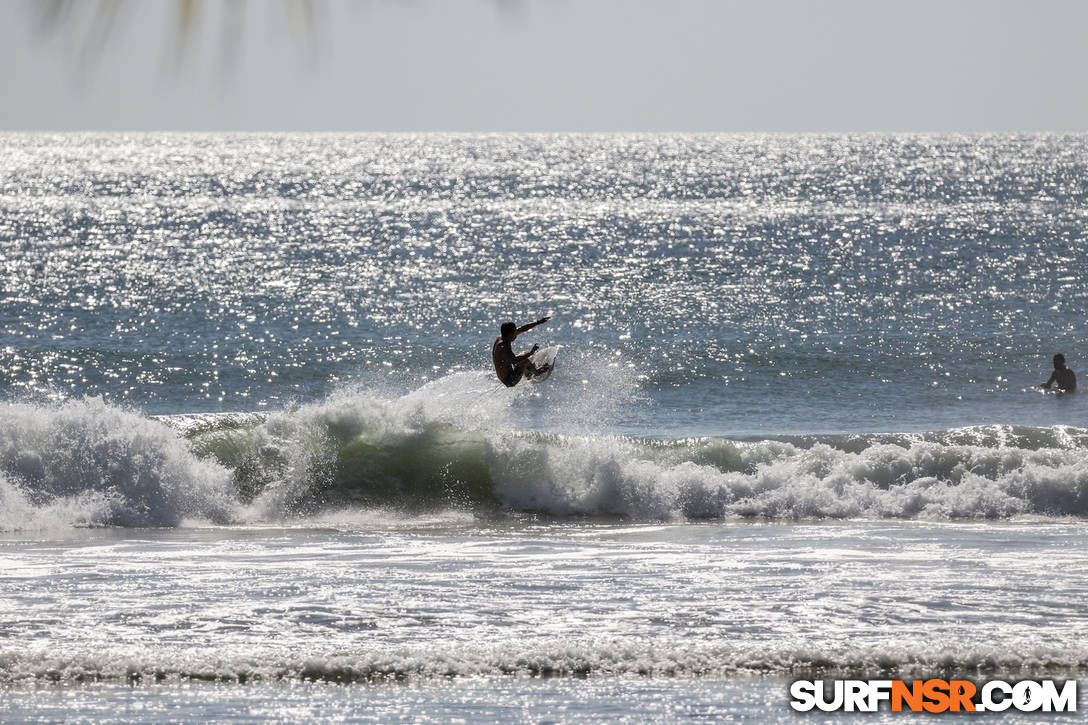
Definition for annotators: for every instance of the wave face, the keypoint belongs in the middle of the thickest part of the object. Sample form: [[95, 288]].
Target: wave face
[[448, 445]]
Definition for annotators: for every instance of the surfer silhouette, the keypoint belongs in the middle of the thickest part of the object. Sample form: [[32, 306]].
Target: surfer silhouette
[[1063, 376], [510, 367]]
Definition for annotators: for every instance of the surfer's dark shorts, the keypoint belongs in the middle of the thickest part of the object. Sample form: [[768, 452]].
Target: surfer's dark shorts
[[514, 377]]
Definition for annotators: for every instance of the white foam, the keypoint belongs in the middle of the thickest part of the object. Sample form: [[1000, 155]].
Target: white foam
[[770, 479], [387, 519], [548, 657], [83, 462]]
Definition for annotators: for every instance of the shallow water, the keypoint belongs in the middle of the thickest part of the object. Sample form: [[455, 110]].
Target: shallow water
[[742, 700], [378, 596]]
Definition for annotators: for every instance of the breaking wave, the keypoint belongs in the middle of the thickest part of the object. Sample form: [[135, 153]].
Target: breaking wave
[[88, 463], [549, 658], [448, 445]]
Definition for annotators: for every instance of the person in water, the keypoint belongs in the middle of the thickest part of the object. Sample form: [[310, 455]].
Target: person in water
[[510, 367], [1063, 376]]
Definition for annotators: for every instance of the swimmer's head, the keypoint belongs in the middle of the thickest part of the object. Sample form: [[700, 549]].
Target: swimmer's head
[[1059, 361]]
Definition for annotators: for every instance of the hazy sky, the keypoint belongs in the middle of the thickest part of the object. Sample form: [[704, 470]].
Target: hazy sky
[[555, 65]]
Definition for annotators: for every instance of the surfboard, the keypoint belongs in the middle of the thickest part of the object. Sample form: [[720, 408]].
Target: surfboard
[[540, 358]]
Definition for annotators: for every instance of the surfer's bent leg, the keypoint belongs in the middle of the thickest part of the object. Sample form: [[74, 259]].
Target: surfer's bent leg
[[514, 377]]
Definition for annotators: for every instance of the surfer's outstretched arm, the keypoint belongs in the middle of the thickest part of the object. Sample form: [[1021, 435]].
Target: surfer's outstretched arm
[[531, 325]]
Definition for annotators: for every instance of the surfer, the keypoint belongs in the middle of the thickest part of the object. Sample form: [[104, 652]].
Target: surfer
[[510, 367], [1063, 376]]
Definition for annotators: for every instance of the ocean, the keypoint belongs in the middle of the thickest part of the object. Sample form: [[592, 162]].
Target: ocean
[[255, 463]]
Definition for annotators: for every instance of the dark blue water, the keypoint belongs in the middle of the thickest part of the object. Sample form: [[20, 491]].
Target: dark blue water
[[734, 284]]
